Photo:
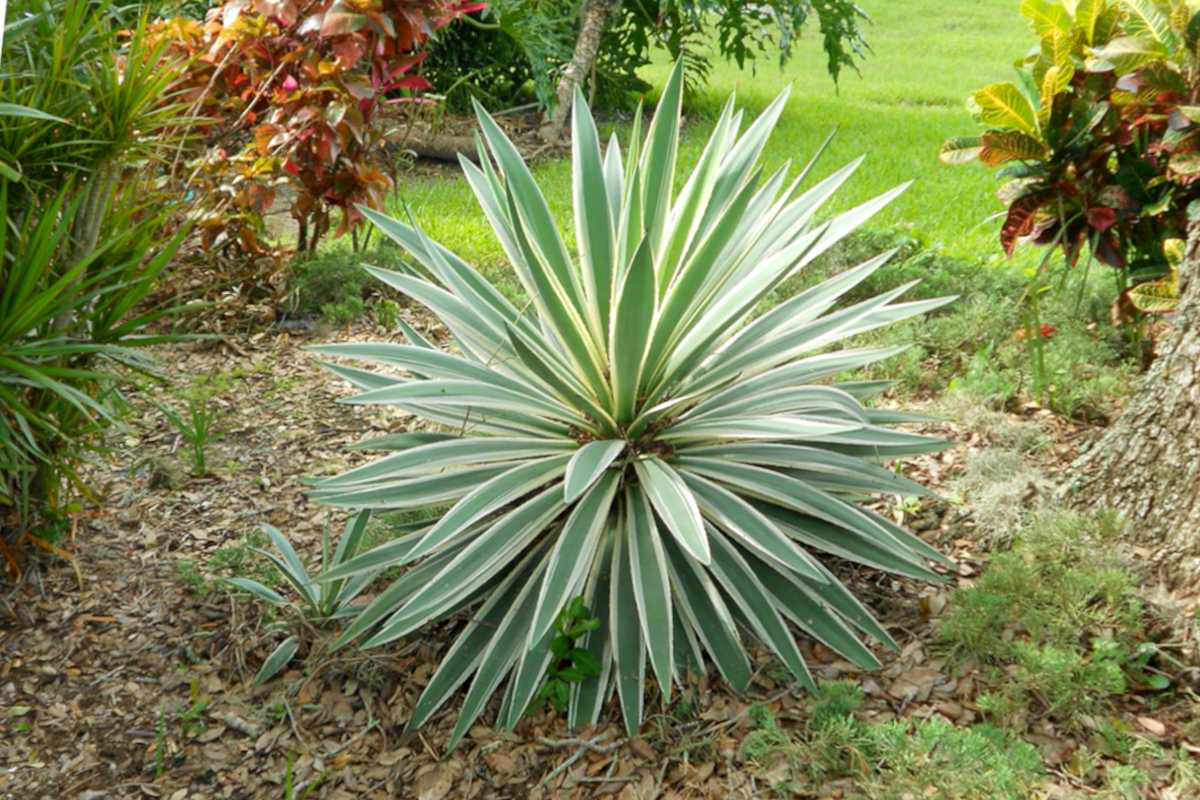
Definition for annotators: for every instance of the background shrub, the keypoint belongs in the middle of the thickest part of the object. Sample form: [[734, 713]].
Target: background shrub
[[1097, 136], [88, 103], [513, 51]]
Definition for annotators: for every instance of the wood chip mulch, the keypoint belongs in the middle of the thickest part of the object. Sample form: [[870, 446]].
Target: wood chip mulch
[[119, 680]]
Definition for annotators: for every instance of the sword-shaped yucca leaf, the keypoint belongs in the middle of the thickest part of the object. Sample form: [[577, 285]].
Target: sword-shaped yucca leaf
[[631, 329], [629, 646], [464, 655], [736, 516], [258, 589], [505, 646], [640, 438], [614, 183], [651, 585], [593, 215], [588, 696], [495, 494], [676, 505], [278, 659], [450, 453], [757, 606], [573, 552], [289, 564], [701, 603], [588, 463], [657, 167]]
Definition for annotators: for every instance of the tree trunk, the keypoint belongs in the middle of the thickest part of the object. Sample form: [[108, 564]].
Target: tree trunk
[[1147, 464], [595, 16]]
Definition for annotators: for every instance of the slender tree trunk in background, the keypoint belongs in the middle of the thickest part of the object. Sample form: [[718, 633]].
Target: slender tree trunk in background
[[85, 229], [1147, 464], [595, 16]]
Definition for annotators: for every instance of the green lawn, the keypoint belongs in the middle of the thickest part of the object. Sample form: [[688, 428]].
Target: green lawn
[[910, 97]]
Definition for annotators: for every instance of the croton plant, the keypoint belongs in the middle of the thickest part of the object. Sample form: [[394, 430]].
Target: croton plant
[[294, 92], [1099, 135]]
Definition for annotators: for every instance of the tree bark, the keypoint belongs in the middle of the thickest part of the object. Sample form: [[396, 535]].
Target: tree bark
[[1147, 464], [595, 16]]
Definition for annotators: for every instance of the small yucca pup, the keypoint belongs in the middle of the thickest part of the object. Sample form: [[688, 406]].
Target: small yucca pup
[[637, 435]]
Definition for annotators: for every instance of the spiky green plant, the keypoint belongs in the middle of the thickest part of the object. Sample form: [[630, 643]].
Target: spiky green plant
[[638, 435]]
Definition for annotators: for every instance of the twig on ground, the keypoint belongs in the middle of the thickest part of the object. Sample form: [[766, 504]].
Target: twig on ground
[[584, 746], [295, 728], [371, 726], [231, 720]]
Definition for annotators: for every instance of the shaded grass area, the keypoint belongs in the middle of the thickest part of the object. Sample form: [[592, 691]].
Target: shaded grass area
[[887, 760], [1062, 650]]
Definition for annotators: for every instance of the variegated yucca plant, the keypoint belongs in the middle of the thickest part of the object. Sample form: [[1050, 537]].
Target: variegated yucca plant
[[639, 434]]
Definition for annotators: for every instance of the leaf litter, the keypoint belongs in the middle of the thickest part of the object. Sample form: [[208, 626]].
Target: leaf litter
[[137, 685]]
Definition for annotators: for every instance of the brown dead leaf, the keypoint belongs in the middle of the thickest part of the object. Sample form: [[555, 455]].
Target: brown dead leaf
[[1152, 725], [915, 685], [642, 750], [501, 763], [435, 783]]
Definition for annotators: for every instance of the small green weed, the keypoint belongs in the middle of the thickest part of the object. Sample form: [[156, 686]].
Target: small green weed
[[239, 559], [191, 577], [294, 791], [160, 746], [235, 560], [569, 664], [195, 426], [190, 716], [387, 313]]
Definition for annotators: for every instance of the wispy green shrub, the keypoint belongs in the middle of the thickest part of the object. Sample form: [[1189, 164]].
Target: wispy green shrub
[[332, 285], [1056, 622], [890, 760]]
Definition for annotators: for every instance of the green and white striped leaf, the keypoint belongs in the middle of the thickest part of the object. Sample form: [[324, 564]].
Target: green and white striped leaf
[[259, 590], [588, 696], [588, 463], [280, 657], [651, 585], [574, 550], [629, 647], [466, 653], [752, 530], [675, 505], [707, 615]]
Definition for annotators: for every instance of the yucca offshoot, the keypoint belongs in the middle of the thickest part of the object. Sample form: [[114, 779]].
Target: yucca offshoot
[[636, 435]]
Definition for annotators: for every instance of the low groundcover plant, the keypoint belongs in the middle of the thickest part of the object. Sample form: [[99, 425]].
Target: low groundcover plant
[[638, 435]]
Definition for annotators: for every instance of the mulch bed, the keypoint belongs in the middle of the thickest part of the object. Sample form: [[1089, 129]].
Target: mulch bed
[[117, 680]]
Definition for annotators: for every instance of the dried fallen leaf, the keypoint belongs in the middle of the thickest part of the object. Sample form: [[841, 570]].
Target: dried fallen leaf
[[642, 750], [1153, 726], [434, 784], [501, 763]]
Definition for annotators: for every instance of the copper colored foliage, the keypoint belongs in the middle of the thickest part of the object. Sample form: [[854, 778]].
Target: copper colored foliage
[[293, 95]]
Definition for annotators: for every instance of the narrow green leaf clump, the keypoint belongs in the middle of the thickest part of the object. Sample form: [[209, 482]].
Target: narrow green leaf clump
[[637, 439]]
